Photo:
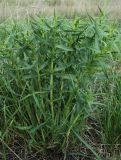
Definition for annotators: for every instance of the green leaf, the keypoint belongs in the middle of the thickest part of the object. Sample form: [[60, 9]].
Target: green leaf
[[33, 130], [23, 127], [64, 48]]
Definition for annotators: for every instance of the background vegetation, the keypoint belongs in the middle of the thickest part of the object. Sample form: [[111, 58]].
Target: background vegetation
[[20, 8]]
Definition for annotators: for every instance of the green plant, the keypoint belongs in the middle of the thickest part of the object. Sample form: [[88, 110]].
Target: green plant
[[41, 97], [54, 75], [110, 114]]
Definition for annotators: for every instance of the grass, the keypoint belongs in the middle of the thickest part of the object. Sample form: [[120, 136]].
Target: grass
[[60, 88], [21, 8]]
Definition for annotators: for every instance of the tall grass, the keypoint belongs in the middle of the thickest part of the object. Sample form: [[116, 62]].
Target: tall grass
[[22, 8], [58, 79]]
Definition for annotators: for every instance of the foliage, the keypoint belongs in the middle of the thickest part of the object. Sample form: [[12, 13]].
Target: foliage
[[54, 75]]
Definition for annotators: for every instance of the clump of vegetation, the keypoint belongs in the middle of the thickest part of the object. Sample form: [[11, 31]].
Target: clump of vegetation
[[60, 85]]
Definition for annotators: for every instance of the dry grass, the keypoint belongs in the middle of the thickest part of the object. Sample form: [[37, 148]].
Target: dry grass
[[19, 8]]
